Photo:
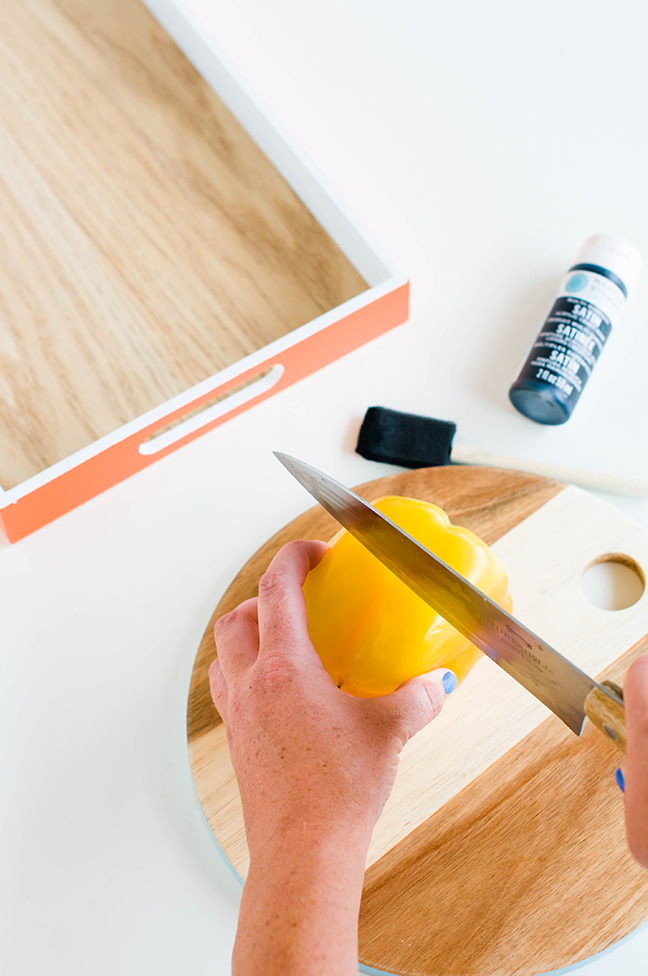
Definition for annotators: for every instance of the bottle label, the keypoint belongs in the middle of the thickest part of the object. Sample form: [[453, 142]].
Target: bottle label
[[574, 332]]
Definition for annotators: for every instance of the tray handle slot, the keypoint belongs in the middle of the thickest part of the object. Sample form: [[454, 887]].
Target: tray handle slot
[[207, 412]]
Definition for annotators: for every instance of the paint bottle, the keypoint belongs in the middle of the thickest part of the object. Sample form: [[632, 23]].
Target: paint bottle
[[587, 305]]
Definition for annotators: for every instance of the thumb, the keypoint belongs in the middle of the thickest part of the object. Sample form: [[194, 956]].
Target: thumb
[[635, 770], [418, 701]]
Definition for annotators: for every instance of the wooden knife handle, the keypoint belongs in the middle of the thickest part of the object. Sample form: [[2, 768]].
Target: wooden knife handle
[[607, 714]]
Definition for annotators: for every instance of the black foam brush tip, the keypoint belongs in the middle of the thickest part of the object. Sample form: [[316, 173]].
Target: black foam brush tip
[[405, 438]]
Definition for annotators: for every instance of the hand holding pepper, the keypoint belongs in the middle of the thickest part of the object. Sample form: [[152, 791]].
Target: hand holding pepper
[[314, 767]]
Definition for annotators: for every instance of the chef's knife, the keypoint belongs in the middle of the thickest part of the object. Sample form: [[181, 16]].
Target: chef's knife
[[556, 682]]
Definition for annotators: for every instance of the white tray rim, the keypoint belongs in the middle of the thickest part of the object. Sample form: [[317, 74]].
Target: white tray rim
[[310, 185]]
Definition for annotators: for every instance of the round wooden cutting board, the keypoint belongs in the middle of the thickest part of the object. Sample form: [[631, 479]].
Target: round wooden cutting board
[[501, 851]]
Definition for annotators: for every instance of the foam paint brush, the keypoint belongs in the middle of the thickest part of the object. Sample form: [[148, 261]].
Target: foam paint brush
[[413, 441]]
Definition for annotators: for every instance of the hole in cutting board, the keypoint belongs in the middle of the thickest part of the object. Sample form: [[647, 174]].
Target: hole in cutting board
[[613, 582]]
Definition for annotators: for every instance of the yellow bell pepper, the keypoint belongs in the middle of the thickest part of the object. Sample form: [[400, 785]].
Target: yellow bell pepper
[[370, 630]]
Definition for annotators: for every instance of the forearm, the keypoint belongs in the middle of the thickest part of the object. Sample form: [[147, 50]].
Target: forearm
[[299, 911], [314, 768]]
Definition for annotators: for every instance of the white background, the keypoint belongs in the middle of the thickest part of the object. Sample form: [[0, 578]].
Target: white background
[[480, 143]]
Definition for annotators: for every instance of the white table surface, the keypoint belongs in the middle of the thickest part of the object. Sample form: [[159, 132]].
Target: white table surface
[[480, 143]]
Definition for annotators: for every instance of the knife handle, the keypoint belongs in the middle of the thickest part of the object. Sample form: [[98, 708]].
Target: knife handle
[[607, 714]]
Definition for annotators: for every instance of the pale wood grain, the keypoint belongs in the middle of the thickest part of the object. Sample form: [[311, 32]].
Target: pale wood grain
[[544, 555], [525, 871], [475, 742], [145, 241]]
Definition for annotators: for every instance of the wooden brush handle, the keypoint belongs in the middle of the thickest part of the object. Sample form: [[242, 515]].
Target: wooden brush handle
[[607, 714], [598, 481]]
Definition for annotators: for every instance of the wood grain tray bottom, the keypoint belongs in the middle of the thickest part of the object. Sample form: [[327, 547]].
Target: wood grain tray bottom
[[502, 849], [150, 242]]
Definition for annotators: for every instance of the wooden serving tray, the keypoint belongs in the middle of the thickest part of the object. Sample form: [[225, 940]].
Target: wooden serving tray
[[501, 851], [149, 240]]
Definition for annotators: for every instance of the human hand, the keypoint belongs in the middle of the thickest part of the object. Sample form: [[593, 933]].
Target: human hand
[[314, 767], [635, 769], [306, 754]]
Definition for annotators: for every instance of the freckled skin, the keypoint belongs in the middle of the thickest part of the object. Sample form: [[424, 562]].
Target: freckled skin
[[314, 767]]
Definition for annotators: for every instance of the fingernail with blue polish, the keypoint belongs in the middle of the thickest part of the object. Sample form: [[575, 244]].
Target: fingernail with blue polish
[[449, 682], [618, 775]]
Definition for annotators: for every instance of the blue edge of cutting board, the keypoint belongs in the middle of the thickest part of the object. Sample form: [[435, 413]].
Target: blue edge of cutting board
[[383, 972]]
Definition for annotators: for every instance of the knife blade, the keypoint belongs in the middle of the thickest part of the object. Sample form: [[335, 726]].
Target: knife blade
[[530, 660]]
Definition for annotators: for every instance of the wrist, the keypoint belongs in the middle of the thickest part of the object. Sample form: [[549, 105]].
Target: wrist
[[316, 835], [299, 911]]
